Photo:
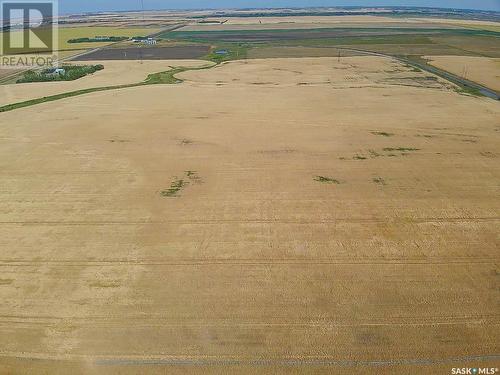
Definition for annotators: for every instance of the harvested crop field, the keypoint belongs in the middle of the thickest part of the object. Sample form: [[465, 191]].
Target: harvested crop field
[[483, 70], [305, 23], [66, 33], [259, 22], [311, 22], [115, 73], [265, 216], [7, 74], [394, 41], [266, 52], [300, 34], [148, 53]]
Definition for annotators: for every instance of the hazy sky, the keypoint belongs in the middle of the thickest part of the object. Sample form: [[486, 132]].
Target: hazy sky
[[74, 6]]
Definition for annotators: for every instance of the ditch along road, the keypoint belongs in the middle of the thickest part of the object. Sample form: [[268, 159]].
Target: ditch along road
[[462, 82]]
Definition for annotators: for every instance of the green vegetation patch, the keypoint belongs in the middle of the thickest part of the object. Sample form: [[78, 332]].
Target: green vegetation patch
[[45, 99], [359, 157], [389, 152], [175, 187], [167, 77], [105, 284], [67, 73], [227, 52], [326, 180], [401, 149], [383, 134], [97, 39], [466, 90], [425, 136], [379, 180], [180, 183], [193, 176]]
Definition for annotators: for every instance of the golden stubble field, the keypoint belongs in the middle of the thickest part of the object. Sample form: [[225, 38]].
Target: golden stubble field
[[483, 70], [311, 22], [308, 22], [115, 72], [317, 217]]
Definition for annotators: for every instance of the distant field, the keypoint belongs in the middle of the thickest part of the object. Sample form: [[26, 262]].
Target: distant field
[[295, 20], [323, 33], [470, 24], [480, 45], [67, 33], [159, 53], [352, 21], [490, 28], [310, 50], [277, 51], [394, 41], [308, 25]]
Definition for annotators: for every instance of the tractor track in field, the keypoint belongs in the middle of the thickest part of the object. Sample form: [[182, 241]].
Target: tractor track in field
[[244, 262], [241, 361]]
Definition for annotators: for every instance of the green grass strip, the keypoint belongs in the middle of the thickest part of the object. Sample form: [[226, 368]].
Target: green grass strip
[[46, 99]]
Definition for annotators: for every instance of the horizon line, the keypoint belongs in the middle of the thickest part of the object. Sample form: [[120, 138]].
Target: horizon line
[[279, 8]]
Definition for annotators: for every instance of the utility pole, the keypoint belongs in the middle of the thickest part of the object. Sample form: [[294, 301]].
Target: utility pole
[[144, 24]]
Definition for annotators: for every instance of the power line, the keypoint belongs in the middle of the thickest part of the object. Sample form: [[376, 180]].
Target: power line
[[143, 24]]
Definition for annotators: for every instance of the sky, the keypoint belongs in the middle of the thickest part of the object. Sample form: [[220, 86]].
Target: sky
[[78, 6]]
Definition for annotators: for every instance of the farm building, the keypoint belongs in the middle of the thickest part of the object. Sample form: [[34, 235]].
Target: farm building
[[55, 72]]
